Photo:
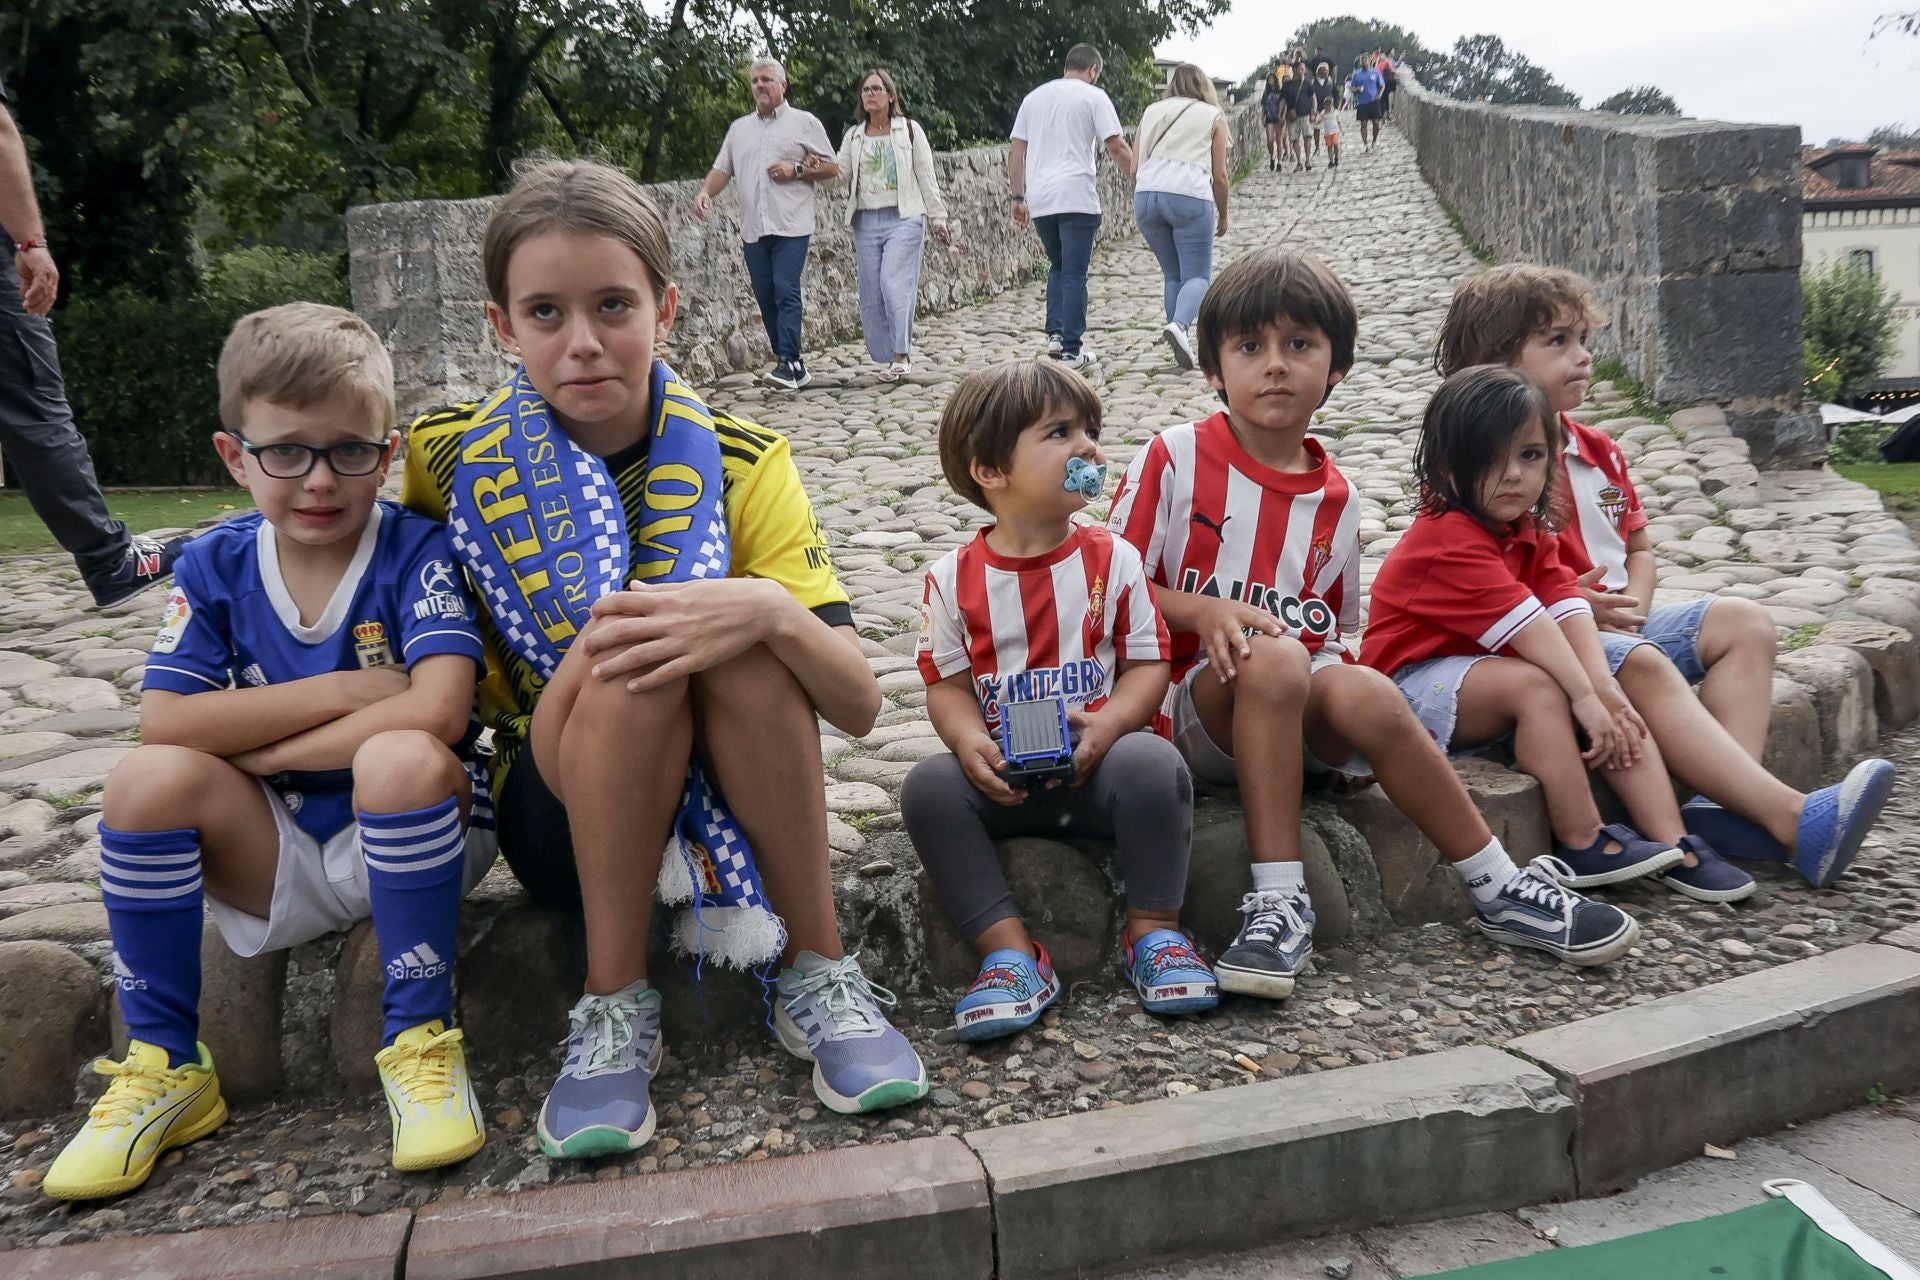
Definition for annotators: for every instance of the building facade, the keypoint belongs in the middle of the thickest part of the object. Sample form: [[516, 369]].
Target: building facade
[[1862, 204]]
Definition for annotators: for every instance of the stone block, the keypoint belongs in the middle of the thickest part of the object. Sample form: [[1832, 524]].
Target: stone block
[[356, 1027], [1895, 659], [520, 970], [1062, 892], [1841, 683], [829, 1214], [1702, 155], [1793, 737], [1882, 605], [1723, 336], [1462, 1131], [340, 1247], [1219, 876], [51, 1021], [1739, 1057], [74, 922], [1416, 883], [240, 1003]]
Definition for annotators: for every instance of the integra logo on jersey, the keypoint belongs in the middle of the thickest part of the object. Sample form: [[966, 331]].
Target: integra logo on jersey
[[442, 597], [1078, 682], [1312, 615], [370, 645]]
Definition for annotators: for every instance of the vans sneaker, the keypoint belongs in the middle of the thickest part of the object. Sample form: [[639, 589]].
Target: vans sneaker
[[1537, 909], [1274, 946]]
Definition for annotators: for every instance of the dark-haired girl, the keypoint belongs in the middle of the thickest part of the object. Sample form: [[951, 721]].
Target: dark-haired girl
[[1489, 637]]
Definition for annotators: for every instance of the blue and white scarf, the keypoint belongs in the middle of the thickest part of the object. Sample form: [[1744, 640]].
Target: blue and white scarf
[[538, 522]]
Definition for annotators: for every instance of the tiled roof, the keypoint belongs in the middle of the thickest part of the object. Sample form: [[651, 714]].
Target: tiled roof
[[1894, 177]]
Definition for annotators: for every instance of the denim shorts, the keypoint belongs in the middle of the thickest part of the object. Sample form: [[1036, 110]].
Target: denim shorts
[[1674, 628], [1432, 689]]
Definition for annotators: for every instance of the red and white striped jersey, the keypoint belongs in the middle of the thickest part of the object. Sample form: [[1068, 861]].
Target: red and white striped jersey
[[1600, 505], [1040, 625], [1452, 587], [1209, 520]]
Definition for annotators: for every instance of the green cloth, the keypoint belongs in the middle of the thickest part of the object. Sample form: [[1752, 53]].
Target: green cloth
[[1771, 1241]]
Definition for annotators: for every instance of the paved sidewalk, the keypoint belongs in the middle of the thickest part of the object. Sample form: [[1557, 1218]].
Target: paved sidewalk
[[1866, 1161]]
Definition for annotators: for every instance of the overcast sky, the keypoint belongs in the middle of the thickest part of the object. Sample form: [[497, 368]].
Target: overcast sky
[[1808, 62]]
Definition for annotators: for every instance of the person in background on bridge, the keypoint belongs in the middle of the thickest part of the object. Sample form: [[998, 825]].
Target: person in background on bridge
[[1389, 82], [1365, 84], [38, 438], [1180, 196], [892, 190], [1273, 112], [1539, 320], [1297, 100], [777, 152], [1050, 168], [1326, 98]]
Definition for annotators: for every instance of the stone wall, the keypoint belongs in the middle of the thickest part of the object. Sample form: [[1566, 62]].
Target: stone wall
[[1689, 229], [415, 270]]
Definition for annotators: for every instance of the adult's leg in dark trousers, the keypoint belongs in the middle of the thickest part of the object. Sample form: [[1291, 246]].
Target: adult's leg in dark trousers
[[789, 258], [759, 256], [1076, 255], [1049, 232], [42, 445]]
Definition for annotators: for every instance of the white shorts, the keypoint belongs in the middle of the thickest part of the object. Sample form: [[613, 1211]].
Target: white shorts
[[320, 888], [1213, 766]]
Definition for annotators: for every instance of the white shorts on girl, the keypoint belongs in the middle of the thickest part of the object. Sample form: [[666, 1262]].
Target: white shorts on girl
[[319, 887], [1204, 757]]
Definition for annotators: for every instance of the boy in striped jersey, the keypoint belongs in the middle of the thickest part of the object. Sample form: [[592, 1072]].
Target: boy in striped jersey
[[1251, 535], [1038, 607]]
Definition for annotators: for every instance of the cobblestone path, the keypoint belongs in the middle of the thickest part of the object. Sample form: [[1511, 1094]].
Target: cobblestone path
[[1803, 544]]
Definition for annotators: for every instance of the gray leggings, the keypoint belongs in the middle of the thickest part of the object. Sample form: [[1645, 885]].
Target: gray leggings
[[1141, 798]]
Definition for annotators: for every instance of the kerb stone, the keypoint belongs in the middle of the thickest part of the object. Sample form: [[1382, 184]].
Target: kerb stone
[[340, 1247], [830, 1214], [1457, 1132], [1738, 1058]]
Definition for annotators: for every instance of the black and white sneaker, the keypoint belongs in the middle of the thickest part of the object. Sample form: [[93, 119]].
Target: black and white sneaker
[[790, 375], [147, 563], [1536, 909], [1055, 347], [1274, 946]]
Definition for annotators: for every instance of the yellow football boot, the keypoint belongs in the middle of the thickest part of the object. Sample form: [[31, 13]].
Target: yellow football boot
[[149, 1109], [436, 1118]]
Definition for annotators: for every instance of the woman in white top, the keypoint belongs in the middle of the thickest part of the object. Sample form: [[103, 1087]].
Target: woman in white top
[[892, 192], [1180, 195]]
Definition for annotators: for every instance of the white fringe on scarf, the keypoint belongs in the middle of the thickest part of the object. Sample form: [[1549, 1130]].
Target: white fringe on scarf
[[736, 937]]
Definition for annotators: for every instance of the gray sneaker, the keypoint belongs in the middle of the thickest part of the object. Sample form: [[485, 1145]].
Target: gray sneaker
[[600, 1104], [831, 1017], [1274, 946], [1081, 360]]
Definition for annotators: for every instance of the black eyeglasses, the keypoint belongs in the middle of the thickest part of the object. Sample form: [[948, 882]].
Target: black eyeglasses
[[294, 461]]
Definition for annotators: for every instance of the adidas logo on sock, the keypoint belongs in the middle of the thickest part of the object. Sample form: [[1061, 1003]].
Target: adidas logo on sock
[[126, 977], [421, 961]]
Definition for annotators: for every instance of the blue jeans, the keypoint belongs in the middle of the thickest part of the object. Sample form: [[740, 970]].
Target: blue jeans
[[774, 264], [1179, 230], [1068, 238], [888, 248]]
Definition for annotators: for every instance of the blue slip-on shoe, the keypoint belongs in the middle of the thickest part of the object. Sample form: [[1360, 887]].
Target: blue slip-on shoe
[[1272, 949], [831, 1017], [1637, 856], [1731, 835], [1010, 993], [600, 1104], [1536, 909], [1170, 975], [1837, 818], [1710, 879]]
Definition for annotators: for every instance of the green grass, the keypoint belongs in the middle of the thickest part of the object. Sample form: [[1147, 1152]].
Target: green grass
[[1802, 636], [21, 532], [1641, 405], [1884, 477], [1474, 247]]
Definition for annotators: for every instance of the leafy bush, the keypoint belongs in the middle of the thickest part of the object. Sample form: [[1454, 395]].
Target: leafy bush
[[1858, 442], [140, 370], [1848, 323]]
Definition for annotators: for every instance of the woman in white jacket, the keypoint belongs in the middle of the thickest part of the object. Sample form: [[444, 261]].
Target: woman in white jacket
[[1180, 196], [892, 196]]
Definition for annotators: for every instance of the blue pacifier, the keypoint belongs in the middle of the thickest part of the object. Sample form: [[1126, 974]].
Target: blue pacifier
[[1085, 478]]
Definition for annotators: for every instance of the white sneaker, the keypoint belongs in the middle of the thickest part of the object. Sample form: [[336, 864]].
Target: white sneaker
[[1082, 360], [1182, 343], [1054, 345]]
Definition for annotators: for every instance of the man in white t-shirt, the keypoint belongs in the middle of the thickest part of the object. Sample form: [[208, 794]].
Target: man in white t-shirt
[[1050, 167]]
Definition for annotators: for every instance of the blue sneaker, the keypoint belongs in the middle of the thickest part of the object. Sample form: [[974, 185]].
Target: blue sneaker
[[1709, 879], [1274, 946], [1730, 834], [1011, 992], [1170, 975], [1637, 856], [831, 1017], [600, 1105], [1536, 909], [1836, 819]]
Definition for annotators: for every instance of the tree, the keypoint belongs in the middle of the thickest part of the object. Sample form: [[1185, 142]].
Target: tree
[[1641, 100], [1896, 137], [1342, 40], [1482, 69], [1847, 325]]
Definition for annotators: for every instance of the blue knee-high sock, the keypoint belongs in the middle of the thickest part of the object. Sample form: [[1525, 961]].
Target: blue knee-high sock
[[415, 864], [150, 882]]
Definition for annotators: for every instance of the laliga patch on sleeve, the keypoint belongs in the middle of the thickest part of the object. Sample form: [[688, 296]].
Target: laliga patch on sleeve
[[926, 627], [173, 622]]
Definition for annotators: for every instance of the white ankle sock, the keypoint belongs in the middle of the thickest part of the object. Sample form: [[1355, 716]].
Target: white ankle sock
[[1281, 877], [1486, 873]]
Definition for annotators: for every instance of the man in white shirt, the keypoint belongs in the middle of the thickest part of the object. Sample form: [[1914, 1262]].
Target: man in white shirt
[[778, 152], [1050, 168]]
